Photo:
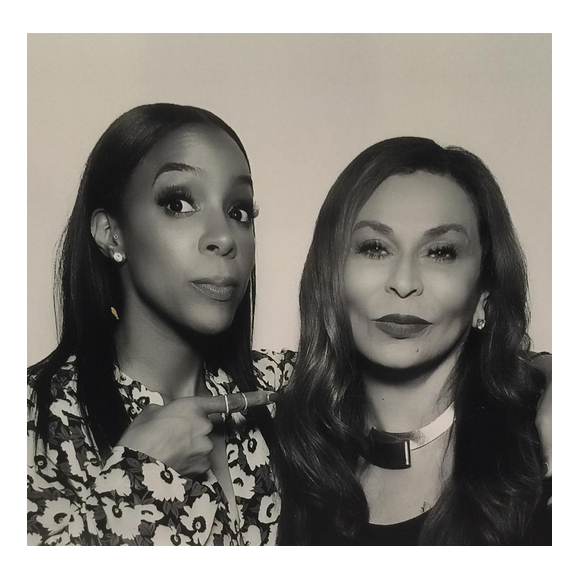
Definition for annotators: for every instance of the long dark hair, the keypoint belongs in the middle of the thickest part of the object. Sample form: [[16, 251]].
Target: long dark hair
[[87, 283], [496, 478]]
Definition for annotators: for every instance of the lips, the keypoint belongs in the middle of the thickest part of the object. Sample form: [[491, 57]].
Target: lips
[[220, 288], [402, 326]]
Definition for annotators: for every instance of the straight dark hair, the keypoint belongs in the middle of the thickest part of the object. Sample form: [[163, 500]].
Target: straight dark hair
[[88, 285], [496, 479]]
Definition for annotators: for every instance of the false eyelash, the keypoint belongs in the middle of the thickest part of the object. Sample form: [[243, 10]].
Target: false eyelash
[[371, 249], [251, 208], [174, 192], [445, 248]]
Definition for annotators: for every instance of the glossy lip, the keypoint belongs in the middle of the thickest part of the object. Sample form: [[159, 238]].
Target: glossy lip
[[401, 325], [220, 288]]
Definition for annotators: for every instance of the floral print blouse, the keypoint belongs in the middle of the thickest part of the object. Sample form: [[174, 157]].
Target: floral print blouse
[[76, 497]]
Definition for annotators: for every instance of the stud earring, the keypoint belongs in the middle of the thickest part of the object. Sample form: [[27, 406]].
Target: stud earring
[[480, 324], [118, 257], [116, 237]]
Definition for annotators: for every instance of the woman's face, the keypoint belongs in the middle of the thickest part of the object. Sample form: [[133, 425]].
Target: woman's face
[[411, 277], [186, 231]]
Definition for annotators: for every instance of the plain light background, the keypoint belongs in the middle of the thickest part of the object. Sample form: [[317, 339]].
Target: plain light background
[[304, 107]]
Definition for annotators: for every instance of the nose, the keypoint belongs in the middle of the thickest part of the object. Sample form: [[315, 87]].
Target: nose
[[218, 238], [404, 277]]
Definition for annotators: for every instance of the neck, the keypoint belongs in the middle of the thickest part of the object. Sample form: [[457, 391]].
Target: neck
[[406, 400], [158, 356]]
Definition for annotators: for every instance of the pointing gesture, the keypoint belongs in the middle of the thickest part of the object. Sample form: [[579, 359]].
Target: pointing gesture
[[178, 433]]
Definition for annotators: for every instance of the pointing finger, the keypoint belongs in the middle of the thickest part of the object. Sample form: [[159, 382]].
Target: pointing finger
[[236, 402]]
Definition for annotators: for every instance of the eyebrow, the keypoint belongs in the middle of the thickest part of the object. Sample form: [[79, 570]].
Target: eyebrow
[[440, 230], [178, 167], [239, 180], [385, 230], [379, 227]]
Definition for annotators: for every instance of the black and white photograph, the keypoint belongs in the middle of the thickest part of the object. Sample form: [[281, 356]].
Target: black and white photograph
[[289, 289]]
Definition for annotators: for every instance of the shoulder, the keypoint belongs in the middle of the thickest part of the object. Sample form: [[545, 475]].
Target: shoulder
[[63, 377], [274, 369], [59, 389]]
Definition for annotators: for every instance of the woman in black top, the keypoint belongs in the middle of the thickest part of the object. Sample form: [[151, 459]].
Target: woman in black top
[[410, 417]]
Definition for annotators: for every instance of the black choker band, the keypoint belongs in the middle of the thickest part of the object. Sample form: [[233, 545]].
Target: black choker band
[[386, 453], [393, 450]]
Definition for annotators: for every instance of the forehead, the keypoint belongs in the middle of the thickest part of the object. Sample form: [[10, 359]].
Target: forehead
[[206, 148], [418, 202]]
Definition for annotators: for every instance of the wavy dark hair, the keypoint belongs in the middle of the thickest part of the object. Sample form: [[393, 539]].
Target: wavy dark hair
[[87, 282], [496, 480]]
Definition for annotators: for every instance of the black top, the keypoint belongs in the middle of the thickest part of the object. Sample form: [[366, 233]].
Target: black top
[[400, 534], [407, 533]]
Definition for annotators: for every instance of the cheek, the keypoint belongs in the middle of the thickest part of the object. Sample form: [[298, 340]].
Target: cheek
[[352, 286], [361, 286], [158, 250], [455, 295], [246, 253]]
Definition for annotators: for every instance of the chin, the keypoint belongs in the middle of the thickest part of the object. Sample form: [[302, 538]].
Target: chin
[[212, 327], [398, 357]]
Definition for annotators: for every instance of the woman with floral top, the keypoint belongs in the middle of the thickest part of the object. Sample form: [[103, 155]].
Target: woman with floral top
[[157, 283]]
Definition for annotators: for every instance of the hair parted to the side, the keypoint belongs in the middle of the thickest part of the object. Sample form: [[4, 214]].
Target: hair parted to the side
[[88, 285], [321, 416]]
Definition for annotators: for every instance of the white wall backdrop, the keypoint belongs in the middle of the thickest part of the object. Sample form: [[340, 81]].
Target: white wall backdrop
[[304, 106]]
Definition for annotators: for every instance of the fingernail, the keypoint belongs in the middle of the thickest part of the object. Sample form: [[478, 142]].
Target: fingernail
[[273, 397]]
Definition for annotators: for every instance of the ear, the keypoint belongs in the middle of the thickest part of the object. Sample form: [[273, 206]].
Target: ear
[[479, 313], [106, 233]]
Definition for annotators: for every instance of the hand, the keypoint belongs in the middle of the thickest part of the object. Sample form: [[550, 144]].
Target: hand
[[178, 434]]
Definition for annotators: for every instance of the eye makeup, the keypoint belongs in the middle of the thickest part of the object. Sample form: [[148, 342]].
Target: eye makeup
[[377, 250], [443, 252], [244, 211], [373, 249], [175, 200]]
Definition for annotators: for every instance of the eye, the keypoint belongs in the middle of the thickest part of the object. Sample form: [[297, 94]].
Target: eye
[[244, 213], [374, 249], [177, 201], [444, 253], [177, 205]]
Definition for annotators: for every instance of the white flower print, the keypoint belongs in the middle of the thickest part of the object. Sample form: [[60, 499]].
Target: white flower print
[[91, 523], [243, 483], [252, 536], [57, 514], [92, 464], [255, 456], [36, 481], [148, 513], [122, 520], [233, 453], [33, 539], [168, 536], [199, 515], [45, 464], [72, 459], [163, 482], [116, 455], [76, 525], [61, 539], [269, 509], [32, 507], [114, 480], [63, 409]]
